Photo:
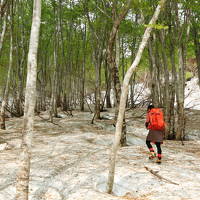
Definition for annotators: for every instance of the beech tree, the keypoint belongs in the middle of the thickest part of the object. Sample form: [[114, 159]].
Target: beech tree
[[6, 92], [22, 182], [124, 95], [113, 61]]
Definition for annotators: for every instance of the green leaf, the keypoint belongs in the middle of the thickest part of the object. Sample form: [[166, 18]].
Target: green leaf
[[157, 26]]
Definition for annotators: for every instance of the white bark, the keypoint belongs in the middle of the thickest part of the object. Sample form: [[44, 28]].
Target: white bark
[[3, 33], [6, 92], [22, 182], [124, 94]]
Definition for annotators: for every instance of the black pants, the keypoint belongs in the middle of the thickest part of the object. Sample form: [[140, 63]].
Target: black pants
[[158, 146]]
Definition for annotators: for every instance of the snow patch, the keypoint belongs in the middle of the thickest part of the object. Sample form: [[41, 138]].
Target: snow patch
[[192, 94]]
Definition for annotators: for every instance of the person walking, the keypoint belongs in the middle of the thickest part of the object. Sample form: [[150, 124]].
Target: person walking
[[156, 126]]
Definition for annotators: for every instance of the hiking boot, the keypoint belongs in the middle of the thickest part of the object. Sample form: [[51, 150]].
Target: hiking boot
[[158, 161], [152, 155]]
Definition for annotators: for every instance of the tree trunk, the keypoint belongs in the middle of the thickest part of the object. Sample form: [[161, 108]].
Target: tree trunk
[[3, 32], [82, 97], [166, 100], [153, 74], [111, 53], [21, 55], [124, 94], [53, 102], [22, 182], [182, 37], [98, 44], [180, 95], [4, 5], [108, 85], [197, 47], [171, 128], [54, 85], [111, 56], [97, 62], [6, 92], [159, 72], [172, 47], [133, 77]]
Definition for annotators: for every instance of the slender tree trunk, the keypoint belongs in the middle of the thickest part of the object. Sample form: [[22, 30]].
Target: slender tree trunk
[[3, 32], [196, 37], [180, 95], [183, 36], [153, 74], [171, 128], [113, 65], [111, 54], [97, 60], [159, 72], [97, 63], [22, 182], [124, 94], [108, 85], [172, 47], [166, 100], [53, 101], [6, 92], [54, 85], [132, 103], [22, 47], [82, 97], [133, 77], [117, 41], [4, 6]]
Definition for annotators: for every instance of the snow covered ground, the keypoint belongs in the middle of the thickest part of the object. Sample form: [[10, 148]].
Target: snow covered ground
[[141, 93], [192, 94], [70, 161]]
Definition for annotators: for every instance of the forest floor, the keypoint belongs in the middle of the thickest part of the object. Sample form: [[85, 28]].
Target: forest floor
[[70, 160]]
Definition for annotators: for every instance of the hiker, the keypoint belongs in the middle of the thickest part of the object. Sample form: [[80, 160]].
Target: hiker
[[156, 125]]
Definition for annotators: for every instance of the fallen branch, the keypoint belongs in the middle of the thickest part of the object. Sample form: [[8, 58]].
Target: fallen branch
[[68, 112], [47, 120], [160, 177]]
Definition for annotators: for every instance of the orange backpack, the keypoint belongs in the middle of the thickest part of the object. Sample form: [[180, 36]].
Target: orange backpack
[[155, 119]]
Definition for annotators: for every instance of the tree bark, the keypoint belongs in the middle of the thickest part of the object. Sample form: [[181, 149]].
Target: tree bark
[[172, 47], [97, 63], [196, 36], [180, 95], [166, 99], [6, 92], [108, 85], [183, 36], [3, 32], [22, 50], [22, 182], [97, 60], [82, 93], [111, 54], [124, 94], [54, 85], [171, 128], [112, 61], [153, 74]]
